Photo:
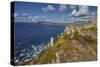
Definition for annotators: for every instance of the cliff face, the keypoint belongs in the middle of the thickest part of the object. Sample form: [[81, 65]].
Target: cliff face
[[76, 43]]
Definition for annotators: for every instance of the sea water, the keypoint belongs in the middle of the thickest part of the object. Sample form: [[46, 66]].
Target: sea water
[[30, 38]]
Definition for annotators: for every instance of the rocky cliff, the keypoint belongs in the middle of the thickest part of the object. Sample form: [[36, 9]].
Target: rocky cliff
[[77, 43]]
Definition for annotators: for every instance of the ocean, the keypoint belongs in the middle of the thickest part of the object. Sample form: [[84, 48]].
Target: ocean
[[30, 38]]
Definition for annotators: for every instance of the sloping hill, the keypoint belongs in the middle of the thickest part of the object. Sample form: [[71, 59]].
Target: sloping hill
[[76, 43]]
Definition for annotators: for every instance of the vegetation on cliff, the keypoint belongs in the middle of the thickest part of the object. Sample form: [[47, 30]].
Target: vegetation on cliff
[[77, 43]]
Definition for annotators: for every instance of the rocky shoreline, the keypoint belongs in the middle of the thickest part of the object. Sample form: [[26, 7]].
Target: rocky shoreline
[[76, 43]]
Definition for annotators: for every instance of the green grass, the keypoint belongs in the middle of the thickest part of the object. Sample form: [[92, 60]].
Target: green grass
[[83, 48]]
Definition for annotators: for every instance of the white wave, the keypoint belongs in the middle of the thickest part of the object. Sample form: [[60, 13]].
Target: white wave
[[21, 54], [16, 61]]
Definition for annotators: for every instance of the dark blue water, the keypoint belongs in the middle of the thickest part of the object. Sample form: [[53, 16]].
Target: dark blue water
[[30, 38]]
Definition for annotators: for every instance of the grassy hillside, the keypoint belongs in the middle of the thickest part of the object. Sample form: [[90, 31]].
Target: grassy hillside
[[76, 43]]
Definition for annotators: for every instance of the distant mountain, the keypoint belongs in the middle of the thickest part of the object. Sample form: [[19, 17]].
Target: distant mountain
[[47, 22], [44, 22]]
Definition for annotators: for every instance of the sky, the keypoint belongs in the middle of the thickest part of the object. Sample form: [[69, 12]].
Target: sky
[[55, 13]]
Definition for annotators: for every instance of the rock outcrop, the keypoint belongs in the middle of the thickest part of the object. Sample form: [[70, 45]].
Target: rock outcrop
[[76, 43]]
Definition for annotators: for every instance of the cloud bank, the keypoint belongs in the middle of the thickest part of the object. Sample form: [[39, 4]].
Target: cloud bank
[[48, 8], [83, 11]]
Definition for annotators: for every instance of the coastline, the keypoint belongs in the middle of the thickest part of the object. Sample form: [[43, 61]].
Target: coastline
[[77, 39]]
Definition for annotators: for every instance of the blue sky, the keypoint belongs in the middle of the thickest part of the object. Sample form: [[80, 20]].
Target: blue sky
[[57, 13]]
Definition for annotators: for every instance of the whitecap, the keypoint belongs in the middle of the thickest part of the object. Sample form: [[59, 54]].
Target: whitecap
[[32, 46], [35, 48], [27, 60], [28, 55], [21, 54], [16, 61]]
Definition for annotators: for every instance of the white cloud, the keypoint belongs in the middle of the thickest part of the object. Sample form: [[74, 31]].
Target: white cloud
[[34, 20], [25, 17], [74, 12], [48, 8], [83, 11], [62, 8]]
